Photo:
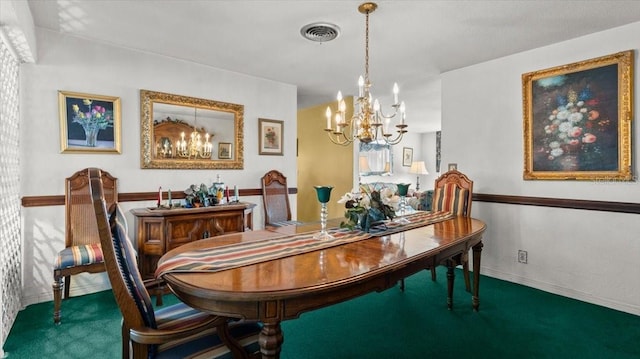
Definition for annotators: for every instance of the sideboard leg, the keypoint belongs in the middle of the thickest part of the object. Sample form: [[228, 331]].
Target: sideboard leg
[[271, 339], [477, 252]]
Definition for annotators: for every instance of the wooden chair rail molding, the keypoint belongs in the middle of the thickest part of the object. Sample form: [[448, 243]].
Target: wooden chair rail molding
[[607, 206], [42, 201]]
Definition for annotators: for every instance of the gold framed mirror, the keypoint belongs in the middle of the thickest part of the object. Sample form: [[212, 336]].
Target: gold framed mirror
[[187, 132]]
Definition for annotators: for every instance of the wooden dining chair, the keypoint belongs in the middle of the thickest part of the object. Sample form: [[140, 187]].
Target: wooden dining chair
[[82, 252], [453, 192], [176, 331], [275, 198]]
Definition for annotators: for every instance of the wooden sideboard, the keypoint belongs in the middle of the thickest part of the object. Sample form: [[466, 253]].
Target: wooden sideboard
[[160, 230]]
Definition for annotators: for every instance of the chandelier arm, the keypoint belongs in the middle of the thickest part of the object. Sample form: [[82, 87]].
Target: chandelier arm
[[336, 140], [390, 116], [396, 140]]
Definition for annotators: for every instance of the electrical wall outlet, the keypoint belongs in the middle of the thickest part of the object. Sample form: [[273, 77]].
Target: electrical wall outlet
[[522, 256]]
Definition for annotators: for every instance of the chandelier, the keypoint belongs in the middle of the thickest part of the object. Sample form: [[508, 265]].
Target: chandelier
[[368, 123], [195, 147]]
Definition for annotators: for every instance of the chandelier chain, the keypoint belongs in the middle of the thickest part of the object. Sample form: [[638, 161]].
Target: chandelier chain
[[366, 50]]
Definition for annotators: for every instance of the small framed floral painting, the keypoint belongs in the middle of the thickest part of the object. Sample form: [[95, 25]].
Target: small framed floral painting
[[224, 150], [270, 134], [407, 156], [89, 123], [577, 120]]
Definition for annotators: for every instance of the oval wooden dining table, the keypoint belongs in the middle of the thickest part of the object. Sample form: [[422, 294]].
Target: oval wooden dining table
[[282, 289]]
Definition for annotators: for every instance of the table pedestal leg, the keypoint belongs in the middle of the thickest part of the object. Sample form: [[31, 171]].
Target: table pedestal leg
[[477, 252], [271, 340]]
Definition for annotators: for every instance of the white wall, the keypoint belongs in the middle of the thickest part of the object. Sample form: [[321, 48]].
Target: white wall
[[73, 64], [587, 255]]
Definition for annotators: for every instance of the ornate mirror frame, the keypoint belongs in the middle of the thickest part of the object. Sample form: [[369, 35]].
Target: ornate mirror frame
[[148, 155]]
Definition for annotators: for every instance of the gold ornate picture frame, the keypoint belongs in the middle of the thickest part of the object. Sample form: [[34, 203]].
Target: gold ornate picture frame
[[89, 123], [183, 132], [577, 120]]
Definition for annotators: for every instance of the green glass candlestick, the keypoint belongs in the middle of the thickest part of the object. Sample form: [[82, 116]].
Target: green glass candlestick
[[324, 194], [403, 189]]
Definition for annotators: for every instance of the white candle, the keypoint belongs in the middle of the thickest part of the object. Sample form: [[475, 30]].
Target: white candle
[[360, 86], [328, 114], [395, 93]]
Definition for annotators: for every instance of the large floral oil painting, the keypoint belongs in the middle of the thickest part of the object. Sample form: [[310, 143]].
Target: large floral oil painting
[[89, 123], [577, 120]]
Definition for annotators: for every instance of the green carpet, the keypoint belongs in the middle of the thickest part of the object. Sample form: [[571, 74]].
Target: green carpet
[[513, 322]]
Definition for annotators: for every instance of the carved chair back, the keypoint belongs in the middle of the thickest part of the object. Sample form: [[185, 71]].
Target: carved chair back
[[453, 192], [275, 195]]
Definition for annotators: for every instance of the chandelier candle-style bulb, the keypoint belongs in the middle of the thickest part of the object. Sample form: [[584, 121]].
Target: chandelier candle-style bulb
[[366, 124], [328, 114], [395, 93]]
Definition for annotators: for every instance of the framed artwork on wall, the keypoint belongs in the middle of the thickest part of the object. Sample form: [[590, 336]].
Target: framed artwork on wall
[[89, 123], [270, 136], [577, 120], [407, 156], [224, 150]]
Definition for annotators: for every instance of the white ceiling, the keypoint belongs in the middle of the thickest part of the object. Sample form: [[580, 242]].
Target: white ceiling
[[412, 42]]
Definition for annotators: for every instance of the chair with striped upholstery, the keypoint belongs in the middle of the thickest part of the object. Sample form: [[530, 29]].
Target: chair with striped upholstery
[[453, 193], [176, 331], [82, 252]]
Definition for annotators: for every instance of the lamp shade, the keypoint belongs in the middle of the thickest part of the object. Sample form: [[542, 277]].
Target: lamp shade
[[364, 164], [418, 168]]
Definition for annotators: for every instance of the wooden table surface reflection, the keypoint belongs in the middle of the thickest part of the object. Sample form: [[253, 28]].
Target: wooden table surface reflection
[[284, 288]]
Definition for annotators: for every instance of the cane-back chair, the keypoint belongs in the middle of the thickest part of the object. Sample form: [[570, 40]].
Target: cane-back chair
[[275, 198], [175, 331], [82, 252]]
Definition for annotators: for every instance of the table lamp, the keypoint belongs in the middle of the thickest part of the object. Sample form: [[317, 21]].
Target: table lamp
[[418, 168]]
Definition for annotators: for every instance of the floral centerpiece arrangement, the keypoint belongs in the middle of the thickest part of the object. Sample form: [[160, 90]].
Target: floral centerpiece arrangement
[[367, 206], [92, 120], [198, 196]]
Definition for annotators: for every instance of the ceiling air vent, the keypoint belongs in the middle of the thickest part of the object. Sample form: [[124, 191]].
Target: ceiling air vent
[[320, 32]]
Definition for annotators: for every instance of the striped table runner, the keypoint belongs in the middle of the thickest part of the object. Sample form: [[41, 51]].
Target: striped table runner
[[242, 254]]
